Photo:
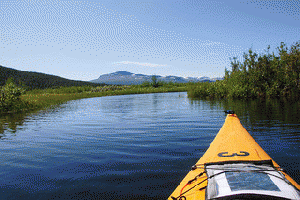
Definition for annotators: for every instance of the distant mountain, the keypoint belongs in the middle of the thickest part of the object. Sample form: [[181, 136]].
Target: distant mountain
[[121, 73], [128, 78], [35, 80]]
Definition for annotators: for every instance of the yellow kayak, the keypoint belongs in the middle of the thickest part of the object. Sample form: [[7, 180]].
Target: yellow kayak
[[235, 167]]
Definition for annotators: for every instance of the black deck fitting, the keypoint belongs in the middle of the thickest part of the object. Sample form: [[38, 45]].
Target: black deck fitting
[[229, 111]]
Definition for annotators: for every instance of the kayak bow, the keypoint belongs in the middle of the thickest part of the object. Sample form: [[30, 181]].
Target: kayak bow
[[236, 167]]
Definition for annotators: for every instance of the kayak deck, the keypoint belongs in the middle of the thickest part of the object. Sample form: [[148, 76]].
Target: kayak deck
[[232, 145]]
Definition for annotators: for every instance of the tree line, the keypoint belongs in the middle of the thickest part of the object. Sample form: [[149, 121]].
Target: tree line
[[35, 80]]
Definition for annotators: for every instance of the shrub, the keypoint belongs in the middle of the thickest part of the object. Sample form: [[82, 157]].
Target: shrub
[[10, 97]]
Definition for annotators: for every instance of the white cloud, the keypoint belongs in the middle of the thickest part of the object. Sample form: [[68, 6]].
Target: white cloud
[[138, 63]]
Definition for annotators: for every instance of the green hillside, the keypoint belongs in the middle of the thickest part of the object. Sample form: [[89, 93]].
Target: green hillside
[[35, 80]]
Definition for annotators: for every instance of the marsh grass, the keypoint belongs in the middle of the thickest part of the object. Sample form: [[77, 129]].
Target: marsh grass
[[41, 99]]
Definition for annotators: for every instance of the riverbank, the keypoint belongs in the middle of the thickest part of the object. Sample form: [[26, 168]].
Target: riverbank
[[42, 99]]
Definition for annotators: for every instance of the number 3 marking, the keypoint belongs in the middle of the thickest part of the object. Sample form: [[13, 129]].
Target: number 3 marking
[[242, 153]]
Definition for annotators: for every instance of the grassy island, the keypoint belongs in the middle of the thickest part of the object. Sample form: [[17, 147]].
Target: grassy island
[[258, 76], [14, 98]]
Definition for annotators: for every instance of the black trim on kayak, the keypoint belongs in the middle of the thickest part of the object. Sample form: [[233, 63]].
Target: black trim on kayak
[[229, 112], [255, 162], [250, 197]]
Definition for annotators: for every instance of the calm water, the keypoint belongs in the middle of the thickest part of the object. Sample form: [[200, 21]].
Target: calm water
[[130, 147]]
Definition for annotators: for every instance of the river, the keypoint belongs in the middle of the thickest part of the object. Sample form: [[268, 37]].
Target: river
[[131, 146]]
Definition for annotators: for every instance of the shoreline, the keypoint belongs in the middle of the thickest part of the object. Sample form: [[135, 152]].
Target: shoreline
[[40, 101]]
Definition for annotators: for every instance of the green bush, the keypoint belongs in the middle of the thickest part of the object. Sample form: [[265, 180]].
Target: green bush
[[146, 84], [10, 97]]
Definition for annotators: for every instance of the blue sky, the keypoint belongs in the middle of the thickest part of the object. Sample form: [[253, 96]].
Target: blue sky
[[81, 40]]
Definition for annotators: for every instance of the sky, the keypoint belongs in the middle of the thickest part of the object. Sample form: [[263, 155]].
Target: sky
[[81, 40]]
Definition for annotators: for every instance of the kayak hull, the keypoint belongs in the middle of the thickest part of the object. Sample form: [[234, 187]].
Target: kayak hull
[[232, 144]]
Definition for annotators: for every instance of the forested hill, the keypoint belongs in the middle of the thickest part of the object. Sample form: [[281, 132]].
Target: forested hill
[[35, 80]]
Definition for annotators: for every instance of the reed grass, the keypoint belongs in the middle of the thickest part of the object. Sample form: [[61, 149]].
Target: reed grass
[[42, 99]]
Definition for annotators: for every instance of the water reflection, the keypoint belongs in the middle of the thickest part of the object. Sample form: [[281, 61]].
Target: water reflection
[[271, 111], [11, 122], [143, 144], [256, 110]]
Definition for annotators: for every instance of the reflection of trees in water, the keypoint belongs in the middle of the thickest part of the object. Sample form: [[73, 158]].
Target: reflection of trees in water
[[11, 122], [208, 105], [254, 110], [269, 109]]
